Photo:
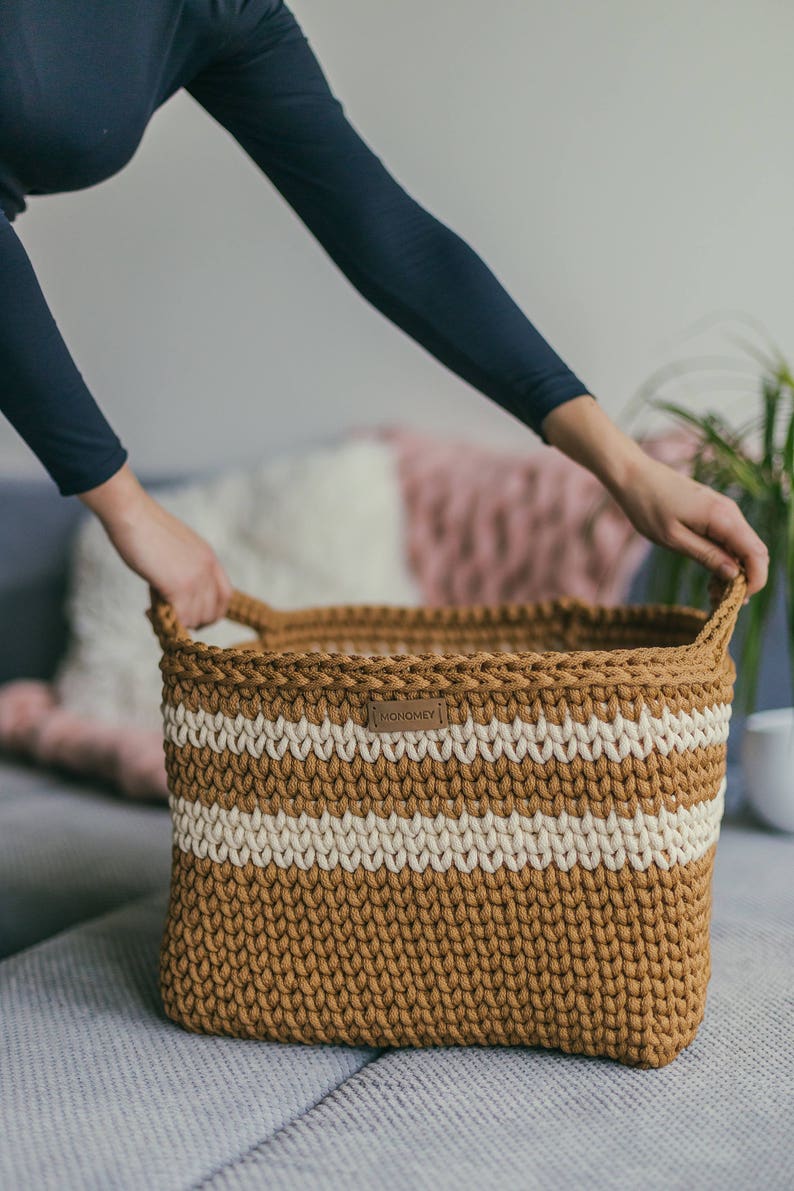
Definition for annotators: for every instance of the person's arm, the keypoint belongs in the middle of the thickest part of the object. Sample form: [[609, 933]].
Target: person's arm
[[44, 396], [42, 392], [673, 510], [160, 548], [268, 90]]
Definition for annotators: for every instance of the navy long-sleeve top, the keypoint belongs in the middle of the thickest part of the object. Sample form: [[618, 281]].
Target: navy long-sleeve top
[[79, 82]]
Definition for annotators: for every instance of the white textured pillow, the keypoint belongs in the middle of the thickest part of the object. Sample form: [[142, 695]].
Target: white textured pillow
[[324, 526]]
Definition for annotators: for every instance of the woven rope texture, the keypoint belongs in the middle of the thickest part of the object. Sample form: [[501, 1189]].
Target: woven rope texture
[[537, 871]]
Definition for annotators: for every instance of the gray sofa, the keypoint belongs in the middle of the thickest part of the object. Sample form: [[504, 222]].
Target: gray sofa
[[98, 1089]]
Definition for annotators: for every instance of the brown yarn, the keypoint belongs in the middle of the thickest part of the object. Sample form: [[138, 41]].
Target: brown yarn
[[306, 904]]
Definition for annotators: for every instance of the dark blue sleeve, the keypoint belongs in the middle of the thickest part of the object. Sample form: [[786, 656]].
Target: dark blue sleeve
[[42, 393], [268, 90]]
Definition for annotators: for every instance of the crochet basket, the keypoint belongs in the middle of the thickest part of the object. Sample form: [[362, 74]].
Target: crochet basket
[[447, 825]]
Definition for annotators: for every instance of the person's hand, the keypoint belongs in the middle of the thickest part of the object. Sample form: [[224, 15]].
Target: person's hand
[[176, 561], [684, 515], [670, 509]]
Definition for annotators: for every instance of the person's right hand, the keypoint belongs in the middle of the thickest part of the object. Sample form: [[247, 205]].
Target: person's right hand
[[175, 561]]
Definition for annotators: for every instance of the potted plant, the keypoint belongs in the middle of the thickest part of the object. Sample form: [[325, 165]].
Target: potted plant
[[752, 461]]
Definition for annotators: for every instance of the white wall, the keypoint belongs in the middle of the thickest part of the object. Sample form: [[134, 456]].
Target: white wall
[[624, 167]]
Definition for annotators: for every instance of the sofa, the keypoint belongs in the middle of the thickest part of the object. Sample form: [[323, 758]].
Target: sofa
[[99, 1089]]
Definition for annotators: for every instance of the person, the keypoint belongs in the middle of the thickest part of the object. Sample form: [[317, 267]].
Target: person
[[79, 83]]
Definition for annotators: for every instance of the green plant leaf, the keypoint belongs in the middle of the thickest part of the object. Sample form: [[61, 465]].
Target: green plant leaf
[[666, 578], [789, 578], [743, 469], [771, 394], [769, 361], [749, 667], [787, 458]]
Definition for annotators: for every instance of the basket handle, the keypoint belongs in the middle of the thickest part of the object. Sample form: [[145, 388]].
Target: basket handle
[[726, 596], [243, 609]]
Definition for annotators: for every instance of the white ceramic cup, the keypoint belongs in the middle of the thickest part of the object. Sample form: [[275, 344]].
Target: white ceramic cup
[[767, 758]]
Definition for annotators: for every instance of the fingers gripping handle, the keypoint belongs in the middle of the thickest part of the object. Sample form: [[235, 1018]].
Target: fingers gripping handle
[[243, 609]]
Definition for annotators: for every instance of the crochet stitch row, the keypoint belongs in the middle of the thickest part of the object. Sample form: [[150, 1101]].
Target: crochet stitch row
[[540, 739], [488, 842]]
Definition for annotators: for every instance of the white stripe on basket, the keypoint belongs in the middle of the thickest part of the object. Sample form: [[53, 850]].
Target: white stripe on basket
[[489, 842], [541, 740]]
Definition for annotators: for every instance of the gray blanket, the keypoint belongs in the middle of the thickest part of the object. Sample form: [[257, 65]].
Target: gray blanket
[[99, 1090]]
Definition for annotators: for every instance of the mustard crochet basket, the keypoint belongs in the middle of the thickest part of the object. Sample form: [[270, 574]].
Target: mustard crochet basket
[[447, 825]]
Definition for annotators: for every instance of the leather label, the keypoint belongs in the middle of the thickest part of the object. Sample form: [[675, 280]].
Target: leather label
[[406, 715]]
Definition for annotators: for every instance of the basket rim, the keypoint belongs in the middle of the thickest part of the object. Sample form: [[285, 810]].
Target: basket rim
[[241, 665], [638, 613]]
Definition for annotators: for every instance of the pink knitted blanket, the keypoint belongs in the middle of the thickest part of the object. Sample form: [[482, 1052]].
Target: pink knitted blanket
[[486, 525]]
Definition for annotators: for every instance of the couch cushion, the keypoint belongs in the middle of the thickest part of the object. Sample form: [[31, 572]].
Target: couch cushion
[[99, 1089], [37, 526], [70, 851]]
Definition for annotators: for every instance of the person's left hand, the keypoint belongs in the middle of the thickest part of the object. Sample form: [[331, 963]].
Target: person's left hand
[[682, 514], [671, 509]]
